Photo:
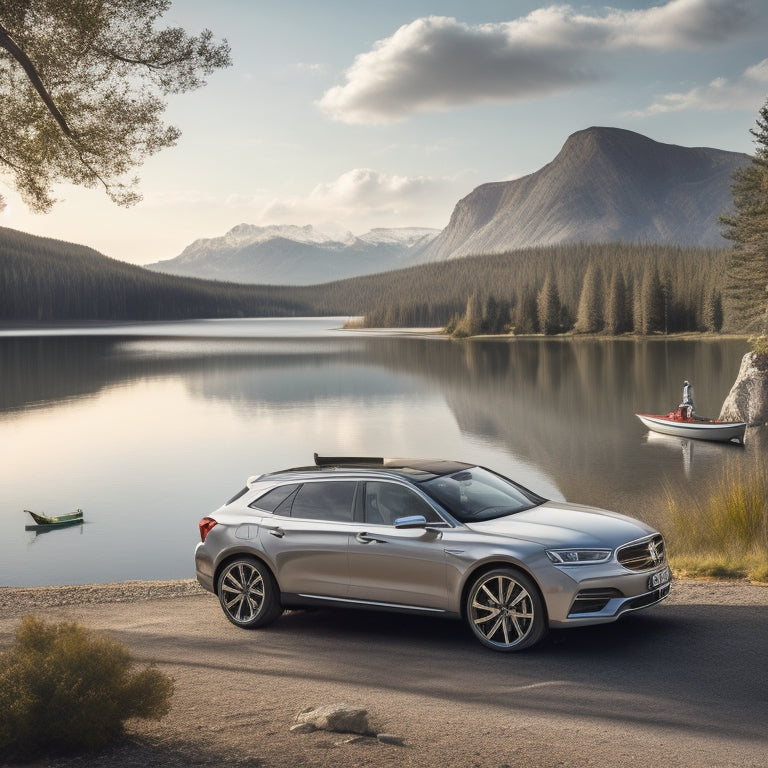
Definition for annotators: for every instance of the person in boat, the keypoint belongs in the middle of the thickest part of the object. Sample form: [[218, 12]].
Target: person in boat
[[686, 407]]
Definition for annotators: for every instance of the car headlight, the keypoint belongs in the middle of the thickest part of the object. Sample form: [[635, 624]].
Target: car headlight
[[578, 556]]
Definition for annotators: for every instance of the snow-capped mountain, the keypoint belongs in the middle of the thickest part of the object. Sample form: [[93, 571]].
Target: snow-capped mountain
[[294, 255]]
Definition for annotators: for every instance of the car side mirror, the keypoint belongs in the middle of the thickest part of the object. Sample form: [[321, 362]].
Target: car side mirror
[[414, 521]]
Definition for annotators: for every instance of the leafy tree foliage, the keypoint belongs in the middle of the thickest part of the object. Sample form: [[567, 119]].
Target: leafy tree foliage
[[747, 227], [82, 87]]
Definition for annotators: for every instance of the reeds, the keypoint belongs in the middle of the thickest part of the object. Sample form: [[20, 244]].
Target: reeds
[[721, 530]]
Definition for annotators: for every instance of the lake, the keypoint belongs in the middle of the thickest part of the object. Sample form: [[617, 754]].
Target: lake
[[150, 426]]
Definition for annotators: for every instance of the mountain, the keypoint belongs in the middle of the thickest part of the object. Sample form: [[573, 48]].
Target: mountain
[[292, 255], [606, 184]]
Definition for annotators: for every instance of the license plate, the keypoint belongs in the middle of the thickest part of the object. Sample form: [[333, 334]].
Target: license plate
[[659, 579]]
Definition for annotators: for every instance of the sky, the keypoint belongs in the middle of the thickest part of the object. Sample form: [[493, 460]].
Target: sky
[[354, 114]]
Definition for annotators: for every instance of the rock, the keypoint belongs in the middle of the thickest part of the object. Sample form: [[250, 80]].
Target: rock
[[748, 399], [340, 718], [388, 738], [302, 728]]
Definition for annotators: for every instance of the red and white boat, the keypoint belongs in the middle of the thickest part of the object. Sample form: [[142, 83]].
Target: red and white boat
[[683, 423]]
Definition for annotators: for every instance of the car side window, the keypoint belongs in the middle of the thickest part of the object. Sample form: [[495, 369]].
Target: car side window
[[387, 502], [272, 499], [333, 501]]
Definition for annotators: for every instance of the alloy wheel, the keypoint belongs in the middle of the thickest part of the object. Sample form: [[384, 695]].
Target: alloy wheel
[[504, 611], [242, 592]]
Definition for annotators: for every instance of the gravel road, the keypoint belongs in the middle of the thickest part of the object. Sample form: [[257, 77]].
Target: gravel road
[[681, 684]]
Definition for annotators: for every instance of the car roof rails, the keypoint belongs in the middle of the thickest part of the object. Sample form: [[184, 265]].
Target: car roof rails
[[330, 461]]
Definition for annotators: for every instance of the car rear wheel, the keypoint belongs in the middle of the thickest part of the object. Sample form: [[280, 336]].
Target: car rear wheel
[[505, 611], [248, 593]]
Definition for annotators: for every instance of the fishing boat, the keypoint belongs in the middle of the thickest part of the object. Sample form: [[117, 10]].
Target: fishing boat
[[43, 521], [682, 423]]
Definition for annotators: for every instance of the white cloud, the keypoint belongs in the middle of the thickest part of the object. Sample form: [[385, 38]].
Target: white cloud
[[363, 198], [436, 63], [746, 91]]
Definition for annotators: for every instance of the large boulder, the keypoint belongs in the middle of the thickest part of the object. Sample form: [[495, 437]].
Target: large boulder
[[748, 399]]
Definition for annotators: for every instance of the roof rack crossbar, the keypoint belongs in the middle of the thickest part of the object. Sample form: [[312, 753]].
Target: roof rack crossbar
[[328, 461]]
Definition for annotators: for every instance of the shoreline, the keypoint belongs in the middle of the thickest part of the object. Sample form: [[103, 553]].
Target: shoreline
[[18, 601], [58, 596]]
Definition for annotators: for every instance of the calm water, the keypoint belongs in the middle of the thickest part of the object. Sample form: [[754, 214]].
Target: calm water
[[149, 427]]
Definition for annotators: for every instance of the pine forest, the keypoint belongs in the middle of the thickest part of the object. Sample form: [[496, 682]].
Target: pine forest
[[592, 288]]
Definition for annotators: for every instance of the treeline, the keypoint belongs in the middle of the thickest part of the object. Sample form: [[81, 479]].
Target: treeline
[[46, 280], [611, 288], [591, 288]]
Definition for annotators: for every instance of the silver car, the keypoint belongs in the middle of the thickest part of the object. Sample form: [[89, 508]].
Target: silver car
[[441, 538]]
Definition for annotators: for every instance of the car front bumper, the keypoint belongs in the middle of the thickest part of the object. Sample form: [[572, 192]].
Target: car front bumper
[[584, 597]]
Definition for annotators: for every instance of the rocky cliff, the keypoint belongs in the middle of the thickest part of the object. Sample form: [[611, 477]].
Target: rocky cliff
[[606, 184]]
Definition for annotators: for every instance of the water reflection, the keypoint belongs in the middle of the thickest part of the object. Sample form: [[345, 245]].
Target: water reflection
[[152, 432]]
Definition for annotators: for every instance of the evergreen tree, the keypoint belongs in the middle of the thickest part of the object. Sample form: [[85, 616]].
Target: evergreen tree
[[747, 276], [589, 318], [713, 311], [549, 307], [495, 316], [617, 308], [651, 301], [474, 315], [525, 314]]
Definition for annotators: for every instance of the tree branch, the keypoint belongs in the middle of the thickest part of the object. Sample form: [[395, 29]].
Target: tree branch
[[18, 53]]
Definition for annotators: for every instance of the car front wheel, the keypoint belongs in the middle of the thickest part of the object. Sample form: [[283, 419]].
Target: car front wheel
[[248, 594], [505, 611]]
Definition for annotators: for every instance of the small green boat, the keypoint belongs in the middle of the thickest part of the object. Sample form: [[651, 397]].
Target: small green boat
[[43, 521]]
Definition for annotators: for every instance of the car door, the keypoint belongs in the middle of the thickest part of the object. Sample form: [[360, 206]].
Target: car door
[[396, 566], [306, 538]]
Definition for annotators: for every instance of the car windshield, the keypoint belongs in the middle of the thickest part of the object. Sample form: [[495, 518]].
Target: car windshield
[[478, 494]]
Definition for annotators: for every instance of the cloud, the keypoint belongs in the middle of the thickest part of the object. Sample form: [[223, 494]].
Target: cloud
[[746, 91], [437, 63], [364, 197]]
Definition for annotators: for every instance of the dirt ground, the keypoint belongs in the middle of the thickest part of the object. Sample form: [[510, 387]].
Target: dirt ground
[[238, 693]]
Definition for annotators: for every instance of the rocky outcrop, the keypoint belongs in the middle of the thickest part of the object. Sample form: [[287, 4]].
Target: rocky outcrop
[[748, 399]]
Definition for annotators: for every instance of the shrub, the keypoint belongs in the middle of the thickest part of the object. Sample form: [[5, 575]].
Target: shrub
[[760, 348], [65, 689]]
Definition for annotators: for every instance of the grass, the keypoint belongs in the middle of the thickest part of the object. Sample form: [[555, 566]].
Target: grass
[[721, 530], [65, 689]]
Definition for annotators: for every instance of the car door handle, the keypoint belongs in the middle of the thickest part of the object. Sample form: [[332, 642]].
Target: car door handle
[[365, 538], [278, 532]]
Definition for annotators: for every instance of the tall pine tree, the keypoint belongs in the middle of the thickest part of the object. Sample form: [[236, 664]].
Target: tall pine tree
[[746, 298], [589, 318], [549, 307]]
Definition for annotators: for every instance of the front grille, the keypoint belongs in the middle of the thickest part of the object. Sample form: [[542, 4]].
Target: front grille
[[593, 600], [643, 556]]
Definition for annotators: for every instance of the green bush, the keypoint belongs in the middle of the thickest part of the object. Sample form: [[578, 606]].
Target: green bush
[[760, 348], [65, 689]]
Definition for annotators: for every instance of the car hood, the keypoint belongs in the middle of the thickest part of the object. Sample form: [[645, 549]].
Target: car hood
[[555, 524]]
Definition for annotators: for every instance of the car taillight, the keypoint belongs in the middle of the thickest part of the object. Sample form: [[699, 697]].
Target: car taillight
[[205, 526]]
